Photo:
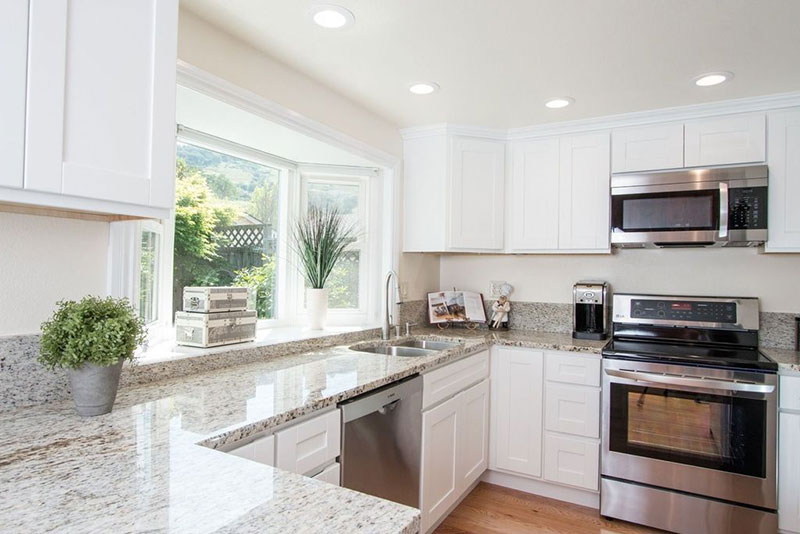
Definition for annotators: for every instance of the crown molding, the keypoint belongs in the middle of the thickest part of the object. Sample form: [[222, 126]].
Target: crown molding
[[679, 113]]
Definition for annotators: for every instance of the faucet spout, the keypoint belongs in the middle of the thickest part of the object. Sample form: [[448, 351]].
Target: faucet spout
[[386, 328]]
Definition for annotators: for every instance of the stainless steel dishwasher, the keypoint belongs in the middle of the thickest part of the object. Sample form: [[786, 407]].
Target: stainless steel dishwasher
[[382, 440]]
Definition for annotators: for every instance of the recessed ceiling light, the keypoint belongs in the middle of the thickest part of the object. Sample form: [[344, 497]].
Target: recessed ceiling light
[[559, 102], [331, 16], [712, 78], [423, 88]]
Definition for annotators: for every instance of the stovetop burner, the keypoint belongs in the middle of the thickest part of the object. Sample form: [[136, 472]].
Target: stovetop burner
[[693, 354]]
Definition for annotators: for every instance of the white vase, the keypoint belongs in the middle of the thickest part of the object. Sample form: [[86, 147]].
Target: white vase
[[317, 306]]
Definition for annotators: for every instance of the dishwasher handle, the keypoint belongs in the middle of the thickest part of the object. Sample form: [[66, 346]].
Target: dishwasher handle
[[382, 401]]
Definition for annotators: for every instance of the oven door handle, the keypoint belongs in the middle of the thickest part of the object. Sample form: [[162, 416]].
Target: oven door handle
[[704, 383], [723, 210]]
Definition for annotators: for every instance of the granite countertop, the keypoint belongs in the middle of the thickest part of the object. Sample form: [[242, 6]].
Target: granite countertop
[[150, 465], [788, 360]]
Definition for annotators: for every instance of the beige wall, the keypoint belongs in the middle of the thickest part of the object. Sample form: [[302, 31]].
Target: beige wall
[[774, 278], [221, 54], [45, 259]]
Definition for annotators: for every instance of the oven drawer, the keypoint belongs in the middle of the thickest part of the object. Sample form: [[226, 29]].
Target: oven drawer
[[572, 368], [572, 410]]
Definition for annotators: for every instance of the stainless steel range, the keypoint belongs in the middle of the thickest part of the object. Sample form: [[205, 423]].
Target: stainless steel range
[[689, 416]]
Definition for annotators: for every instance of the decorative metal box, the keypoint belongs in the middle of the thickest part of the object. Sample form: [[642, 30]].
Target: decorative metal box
[[214, 299], [214, 329]]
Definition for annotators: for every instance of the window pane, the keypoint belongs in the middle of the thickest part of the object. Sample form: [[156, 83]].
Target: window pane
[[226, 224], [343, 283], [148, 276]]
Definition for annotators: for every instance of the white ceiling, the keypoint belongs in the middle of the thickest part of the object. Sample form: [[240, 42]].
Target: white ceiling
[[498, 60]]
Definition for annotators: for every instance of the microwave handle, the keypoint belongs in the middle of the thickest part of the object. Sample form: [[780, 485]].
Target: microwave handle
[[723, 209]]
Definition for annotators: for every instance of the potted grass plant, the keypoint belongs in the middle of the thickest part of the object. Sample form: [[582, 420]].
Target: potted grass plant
[[91, 339], [320, 238]]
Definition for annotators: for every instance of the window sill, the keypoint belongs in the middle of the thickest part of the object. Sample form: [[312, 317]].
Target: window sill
[[167, 350]]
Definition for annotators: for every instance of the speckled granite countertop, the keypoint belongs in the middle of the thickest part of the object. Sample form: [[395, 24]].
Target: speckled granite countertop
[[142, 468], [787, 360]]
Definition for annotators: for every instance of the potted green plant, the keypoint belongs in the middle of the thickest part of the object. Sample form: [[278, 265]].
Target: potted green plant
[[320, 238], [91, 339]]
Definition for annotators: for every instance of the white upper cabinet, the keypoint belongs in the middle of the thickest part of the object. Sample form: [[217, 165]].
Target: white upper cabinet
[[783, 160], [533, 198], [476, 200], [726, 140], [13, 59], [584, 193], [454, 194], [647, 148], [100, 105]]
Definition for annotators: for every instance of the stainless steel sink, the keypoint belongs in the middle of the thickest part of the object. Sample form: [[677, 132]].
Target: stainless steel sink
[[429, 345], [396, 351]]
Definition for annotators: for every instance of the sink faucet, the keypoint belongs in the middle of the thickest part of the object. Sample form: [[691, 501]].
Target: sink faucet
[[386, 329]]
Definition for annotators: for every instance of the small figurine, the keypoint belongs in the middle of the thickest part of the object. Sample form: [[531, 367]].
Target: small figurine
[[501, 308]]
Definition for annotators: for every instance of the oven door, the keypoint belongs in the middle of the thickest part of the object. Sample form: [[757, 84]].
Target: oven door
[[670, 215], [704, 431]]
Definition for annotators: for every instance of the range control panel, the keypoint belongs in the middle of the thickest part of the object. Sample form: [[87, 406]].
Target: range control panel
[[690, 310], [747, 208]]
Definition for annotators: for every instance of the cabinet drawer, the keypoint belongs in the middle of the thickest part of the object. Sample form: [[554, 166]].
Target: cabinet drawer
[[572, 461], [789, 393], [330, 474], [572, 410], [261, 450], [450, 379], [308, 445], [572, 368]]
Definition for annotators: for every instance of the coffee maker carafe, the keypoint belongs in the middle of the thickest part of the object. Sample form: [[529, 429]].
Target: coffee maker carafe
[[590, 310]]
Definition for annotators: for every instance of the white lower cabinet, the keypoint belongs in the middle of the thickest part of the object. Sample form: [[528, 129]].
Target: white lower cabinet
[[788, 457], [330, 474], [455, 446], [306, 446], [546, 412], [571, 461], [261, 450], [517, 410]]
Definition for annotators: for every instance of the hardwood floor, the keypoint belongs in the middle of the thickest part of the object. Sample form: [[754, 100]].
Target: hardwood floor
[[493, 509]]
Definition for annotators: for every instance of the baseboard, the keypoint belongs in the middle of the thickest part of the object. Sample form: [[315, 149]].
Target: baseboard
[[587, 498]]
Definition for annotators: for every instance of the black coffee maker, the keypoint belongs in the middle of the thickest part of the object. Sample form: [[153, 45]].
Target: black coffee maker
[[590, 310]]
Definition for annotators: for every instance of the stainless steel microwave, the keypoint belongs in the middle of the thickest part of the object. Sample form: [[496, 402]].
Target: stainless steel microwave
[[711, 207]]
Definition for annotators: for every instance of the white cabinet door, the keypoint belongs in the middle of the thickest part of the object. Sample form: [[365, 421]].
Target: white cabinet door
[[572, 461], [476, 194], [261, 450], [517, 410], [725, 140], [572, 409], [308, 445], [534, 195], [647, 148], [330, 474], [101, 100], [789, 473], [473, 434], [783, 159], [585, 194], [440, 478], [425, 168], [13, 65]]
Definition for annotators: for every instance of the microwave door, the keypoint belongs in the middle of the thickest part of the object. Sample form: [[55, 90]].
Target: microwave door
[[676, 215]]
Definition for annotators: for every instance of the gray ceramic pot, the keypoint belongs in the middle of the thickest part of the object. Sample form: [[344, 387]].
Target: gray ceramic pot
[[94, 387]]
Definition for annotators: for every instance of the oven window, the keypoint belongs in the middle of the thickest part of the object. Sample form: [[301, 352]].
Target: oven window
[[653, 212], [717, 432]]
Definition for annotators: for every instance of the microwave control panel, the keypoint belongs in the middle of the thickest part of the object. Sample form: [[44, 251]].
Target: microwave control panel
[[691, 311], [747, 208]]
